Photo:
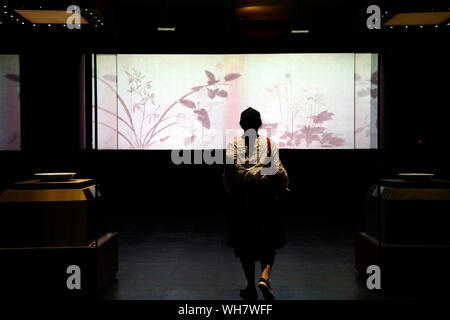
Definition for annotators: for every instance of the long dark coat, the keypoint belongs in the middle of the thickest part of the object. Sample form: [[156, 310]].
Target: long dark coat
[[255, 220]]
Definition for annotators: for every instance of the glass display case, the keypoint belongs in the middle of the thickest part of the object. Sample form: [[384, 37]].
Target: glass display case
[[53, 225]]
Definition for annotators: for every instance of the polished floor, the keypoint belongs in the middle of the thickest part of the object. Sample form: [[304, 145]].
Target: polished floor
[[186, 258]]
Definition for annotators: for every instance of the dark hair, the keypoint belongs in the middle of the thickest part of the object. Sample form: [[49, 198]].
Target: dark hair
[[250, 119]]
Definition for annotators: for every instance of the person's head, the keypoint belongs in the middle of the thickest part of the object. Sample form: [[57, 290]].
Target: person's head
[[250, 119]]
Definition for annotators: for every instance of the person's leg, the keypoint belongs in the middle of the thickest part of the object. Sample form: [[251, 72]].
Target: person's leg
[[248, 265], [267, 264], [266, 267], [249, 292]]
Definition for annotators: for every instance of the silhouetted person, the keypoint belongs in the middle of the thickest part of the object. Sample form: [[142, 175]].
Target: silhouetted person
[[255, 178]]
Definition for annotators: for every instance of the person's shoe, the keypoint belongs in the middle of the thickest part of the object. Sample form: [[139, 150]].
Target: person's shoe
[[264, 286], [248, 293]]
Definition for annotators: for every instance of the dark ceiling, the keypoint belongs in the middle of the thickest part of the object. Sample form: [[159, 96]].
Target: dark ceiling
[[207, 24]]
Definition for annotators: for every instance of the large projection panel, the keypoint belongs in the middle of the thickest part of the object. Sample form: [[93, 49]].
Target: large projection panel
[[193, 101], [9, 102]]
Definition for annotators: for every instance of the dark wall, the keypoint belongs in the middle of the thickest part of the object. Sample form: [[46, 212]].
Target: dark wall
[[417, 106]]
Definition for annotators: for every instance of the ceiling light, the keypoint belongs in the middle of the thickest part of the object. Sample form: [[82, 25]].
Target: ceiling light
[[46, 16], [299, 31], [167, 28], [418, 18]]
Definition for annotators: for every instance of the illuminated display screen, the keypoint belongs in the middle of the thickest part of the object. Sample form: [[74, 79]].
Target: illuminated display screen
[[307, 101]]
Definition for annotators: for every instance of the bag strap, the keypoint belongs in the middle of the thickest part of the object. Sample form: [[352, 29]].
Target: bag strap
[[269, 149]]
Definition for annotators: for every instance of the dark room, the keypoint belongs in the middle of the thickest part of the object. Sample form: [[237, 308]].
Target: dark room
[[196, 152]]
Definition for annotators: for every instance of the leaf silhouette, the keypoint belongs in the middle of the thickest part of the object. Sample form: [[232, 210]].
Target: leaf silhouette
[[109, 77], [196, 88], [12, 77], [359, 130], [137, 106], [222, 93], [212, 93], [308, 139], [374, 77], [374, 93], [298, 137], [311, 130], [203, 117], [232, 76], [317, 130], [322, 117], [187, 103], [163, 139], [286, 135], [189, 140], [211, 77], [326, 137], [338, 142]]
